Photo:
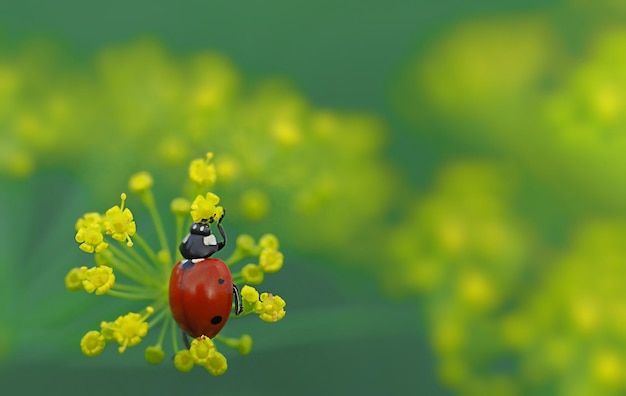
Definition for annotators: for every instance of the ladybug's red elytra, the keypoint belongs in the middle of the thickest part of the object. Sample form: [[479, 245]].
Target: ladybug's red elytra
[[201, 288]]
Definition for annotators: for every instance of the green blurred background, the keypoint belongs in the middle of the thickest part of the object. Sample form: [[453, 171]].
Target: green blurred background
[[445, 179]]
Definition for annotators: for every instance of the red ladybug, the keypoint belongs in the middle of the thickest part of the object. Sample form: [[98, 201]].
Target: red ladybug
[[201, 288]]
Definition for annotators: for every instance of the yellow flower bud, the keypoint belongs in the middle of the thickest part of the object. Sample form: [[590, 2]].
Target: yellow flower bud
[[180, 206], [217, 364], [246, 244], [271, 260], [200, 349], [252, 274], [269, 241], [183, 361], [271, 308], [249, 294], [74, 279], [92, 344], [250, 297], [245, 344], [154, 354], [140, 182]]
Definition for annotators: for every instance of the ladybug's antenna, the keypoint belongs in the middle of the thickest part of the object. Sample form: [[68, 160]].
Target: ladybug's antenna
[[222, 233]]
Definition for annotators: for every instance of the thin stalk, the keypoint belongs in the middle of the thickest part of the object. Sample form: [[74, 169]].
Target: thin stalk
[[174, 338], [162, 332], [130, 288], [146, 248], [238, 278], [158, 317], [148, 200], [122, 263], [229, 342], [180, 224], [140, 261], [236, 257], [129, 295]]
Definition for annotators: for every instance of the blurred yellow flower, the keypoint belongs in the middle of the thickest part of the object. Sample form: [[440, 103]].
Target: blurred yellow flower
[[252, 274], [202, 172], [140, 182], [74, 279], [270, 260]]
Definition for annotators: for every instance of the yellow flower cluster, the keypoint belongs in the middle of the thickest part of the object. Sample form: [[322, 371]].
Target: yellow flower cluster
[[145, 274], [489, 249], [202, 352], [270, 308], [464, 252], [270, 258], [127, 330], [119, 223], [99, 279], [273, 136], [89, 230], [524, 259], [486, 77]]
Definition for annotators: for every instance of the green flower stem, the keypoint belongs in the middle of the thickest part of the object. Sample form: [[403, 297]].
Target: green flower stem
[[129, 295], [236, 257], [199, 191], [174, 338], [148, 200], [146, 248], [140, 261], [130, 288], [180, 224], [162, 303], [238, 278], [122, 263], [163, 330], [157, 318], [229, 342]]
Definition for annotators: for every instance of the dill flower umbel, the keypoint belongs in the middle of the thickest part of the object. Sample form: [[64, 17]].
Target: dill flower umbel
[[127, 266]]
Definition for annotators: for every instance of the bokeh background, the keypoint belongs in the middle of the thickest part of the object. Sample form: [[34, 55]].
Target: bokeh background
[[445, 179]]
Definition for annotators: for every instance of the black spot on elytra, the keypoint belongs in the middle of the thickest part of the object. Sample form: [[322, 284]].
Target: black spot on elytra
[[220, 281], [216, 319]]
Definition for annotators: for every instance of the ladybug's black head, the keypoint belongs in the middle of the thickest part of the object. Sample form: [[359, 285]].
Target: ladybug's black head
[[200, 228]]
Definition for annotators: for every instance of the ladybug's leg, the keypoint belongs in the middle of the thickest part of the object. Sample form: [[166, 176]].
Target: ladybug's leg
[[237, 298], [186, 340]]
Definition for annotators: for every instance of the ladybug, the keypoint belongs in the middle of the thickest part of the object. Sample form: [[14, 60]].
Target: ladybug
[[201, 290]]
